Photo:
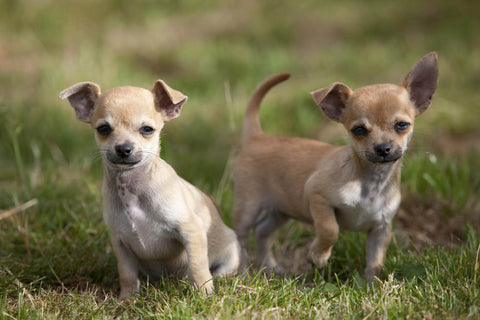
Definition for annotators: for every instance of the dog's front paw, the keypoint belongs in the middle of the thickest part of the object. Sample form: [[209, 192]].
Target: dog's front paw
[[275, 270], [320, 262], [128, 290], [319, 258], [207, 287], [371, 275], [126, 294]]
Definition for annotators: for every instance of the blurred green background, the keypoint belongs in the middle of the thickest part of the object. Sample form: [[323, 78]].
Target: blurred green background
[[216, 52]]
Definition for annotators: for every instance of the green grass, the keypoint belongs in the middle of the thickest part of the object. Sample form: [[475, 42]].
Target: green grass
[[55, 257], [431, 283]]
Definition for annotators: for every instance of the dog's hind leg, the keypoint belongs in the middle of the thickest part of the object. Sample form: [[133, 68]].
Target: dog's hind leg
[[266, 226], [245, 213]]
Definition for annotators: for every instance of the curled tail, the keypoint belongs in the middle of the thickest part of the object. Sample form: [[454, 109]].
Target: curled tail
[[251, 121]]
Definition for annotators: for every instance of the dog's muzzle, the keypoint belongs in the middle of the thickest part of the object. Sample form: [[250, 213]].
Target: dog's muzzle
[[383, 153], [124, 155]]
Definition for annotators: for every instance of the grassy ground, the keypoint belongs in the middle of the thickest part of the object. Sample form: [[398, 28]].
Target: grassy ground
[[55, 256]]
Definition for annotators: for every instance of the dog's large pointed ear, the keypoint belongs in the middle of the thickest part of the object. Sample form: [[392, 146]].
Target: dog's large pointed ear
[[83, 97], [332, 100], [167, 100], [421, 82]]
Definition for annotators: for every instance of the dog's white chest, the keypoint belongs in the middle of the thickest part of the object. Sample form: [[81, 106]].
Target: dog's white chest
[[136, 218], [359, 208], [140, 227]]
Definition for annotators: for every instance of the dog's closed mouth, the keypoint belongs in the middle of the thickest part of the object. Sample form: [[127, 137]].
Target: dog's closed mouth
[[391, 158], [124, 161], [384, 160]]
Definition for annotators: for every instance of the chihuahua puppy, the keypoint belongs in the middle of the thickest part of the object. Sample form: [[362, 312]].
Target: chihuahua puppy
[[160, 224], [354, 187]]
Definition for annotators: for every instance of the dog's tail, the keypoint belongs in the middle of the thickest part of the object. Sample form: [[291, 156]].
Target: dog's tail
[[251, 121]]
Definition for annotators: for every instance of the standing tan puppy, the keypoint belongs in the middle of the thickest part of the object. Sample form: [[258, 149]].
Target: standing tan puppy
[[160, 224], [354, 187]]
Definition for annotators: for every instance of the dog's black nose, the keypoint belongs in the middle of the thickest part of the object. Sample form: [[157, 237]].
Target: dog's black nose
[[124, 150], [383, 149]]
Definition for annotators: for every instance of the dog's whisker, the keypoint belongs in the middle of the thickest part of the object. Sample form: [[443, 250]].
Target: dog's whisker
[[96, 155]]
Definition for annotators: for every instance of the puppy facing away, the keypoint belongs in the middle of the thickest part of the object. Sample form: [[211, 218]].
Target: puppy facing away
[[160, 224], [354, 187]]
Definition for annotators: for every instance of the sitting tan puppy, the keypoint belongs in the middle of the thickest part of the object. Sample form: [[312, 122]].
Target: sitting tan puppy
[[354, 187], [160, 224]]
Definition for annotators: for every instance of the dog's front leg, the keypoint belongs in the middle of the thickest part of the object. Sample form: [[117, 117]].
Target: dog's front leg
[[196, 245], [127, 269], [378, 239], [326, 231]]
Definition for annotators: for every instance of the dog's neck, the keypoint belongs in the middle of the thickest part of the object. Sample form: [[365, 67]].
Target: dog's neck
[[377, 177]]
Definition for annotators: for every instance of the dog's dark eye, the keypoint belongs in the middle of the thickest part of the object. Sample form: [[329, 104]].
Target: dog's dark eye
[[401, 126], [146, 130], [104, 130], [359, 131]]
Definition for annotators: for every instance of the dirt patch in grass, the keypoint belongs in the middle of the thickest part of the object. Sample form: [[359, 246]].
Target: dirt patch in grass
[[431, 223]]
